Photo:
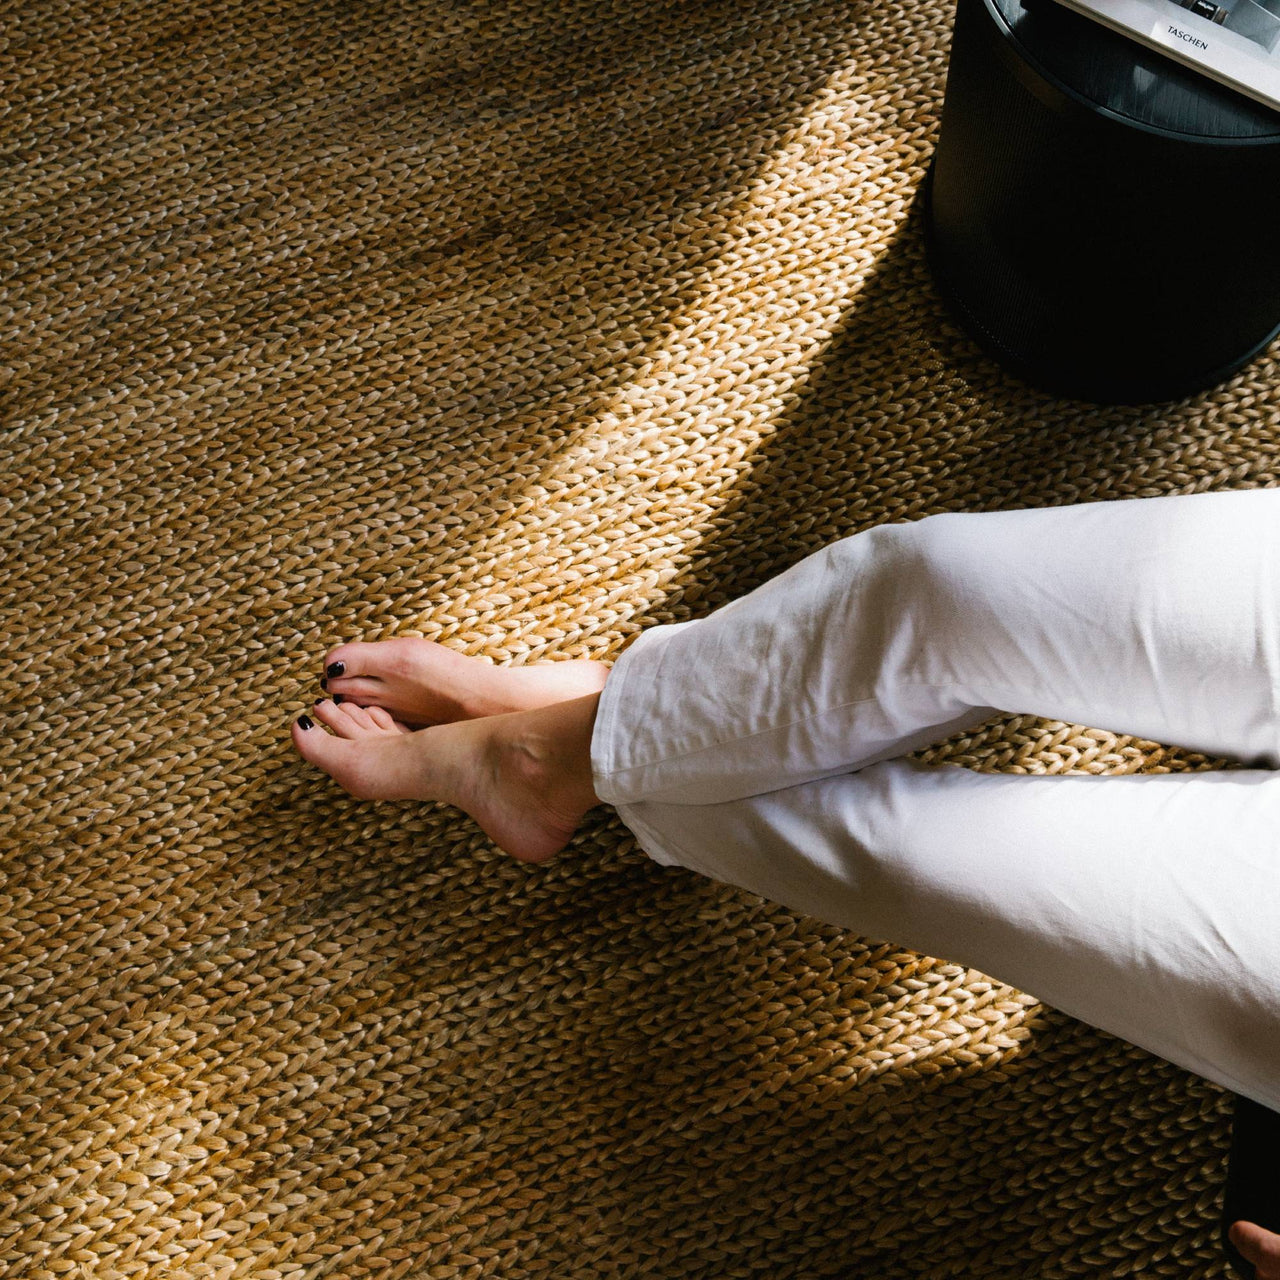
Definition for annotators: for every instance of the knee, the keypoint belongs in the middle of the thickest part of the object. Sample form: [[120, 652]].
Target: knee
[[933, 567]]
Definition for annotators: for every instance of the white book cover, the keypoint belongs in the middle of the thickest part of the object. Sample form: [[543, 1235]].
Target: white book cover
[[1234, 41]]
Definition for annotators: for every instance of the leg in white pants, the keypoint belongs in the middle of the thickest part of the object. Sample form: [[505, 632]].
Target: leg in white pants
[[739, 746]]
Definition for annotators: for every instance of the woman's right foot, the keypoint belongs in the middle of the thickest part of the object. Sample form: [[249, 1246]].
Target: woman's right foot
[[525, 778], [420, 682]]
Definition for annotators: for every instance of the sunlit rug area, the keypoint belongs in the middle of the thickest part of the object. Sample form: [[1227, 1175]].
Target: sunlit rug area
[[522, 327]]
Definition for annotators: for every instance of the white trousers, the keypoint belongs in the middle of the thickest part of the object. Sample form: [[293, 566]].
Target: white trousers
[[758, 746]]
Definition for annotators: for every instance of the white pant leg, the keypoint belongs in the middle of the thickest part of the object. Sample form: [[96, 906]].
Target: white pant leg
[[1157, 617], [1148, 906]]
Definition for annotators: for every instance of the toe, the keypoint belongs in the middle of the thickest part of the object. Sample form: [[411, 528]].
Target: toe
[[1260, 1247], [341, 660], [363, 689], [319, 748], [355, 659], [384, 720], [395, 658], [347, 721], [358, 717], [356, 763]]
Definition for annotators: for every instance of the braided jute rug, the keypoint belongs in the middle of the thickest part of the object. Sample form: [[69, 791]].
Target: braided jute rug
[[521, 326]]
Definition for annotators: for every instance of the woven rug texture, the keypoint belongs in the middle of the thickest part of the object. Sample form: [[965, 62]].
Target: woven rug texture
[[522, 326]]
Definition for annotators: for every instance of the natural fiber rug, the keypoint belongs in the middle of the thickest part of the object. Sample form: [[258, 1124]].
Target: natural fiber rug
[[522, 326]]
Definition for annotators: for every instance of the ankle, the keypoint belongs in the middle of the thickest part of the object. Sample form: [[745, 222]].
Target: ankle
[[548, 752]]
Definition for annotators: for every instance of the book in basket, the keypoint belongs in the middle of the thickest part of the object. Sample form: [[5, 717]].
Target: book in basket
[[1235, 41]]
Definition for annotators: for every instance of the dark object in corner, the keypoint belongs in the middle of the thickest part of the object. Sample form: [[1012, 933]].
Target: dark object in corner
[[1253, 1176], [1100, 218]]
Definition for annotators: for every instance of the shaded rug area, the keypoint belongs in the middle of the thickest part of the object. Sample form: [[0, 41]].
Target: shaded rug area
[[522, 326]]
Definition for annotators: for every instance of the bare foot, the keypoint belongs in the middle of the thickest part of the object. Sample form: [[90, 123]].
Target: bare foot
[[421, 682], [525, 777], [1261, 1248]]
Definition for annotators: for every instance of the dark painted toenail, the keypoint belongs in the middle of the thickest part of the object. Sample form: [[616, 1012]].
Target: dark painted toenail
[[338, 699], [324, 684], [304, 722], [335, 668]]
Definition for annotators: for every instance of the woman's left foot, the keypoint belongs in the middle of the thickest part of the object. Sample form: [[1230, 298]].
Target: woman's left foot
[[525, 777], [422, 682]]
